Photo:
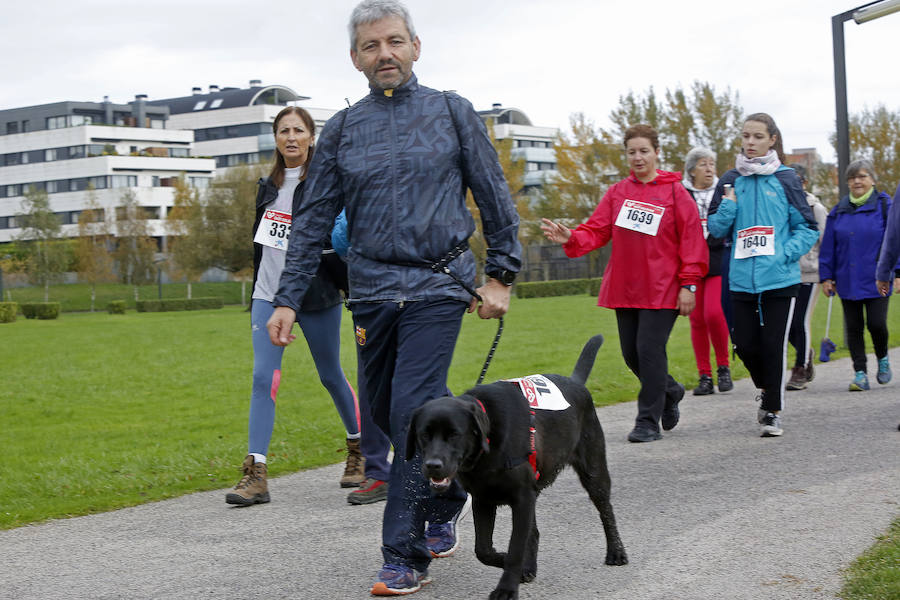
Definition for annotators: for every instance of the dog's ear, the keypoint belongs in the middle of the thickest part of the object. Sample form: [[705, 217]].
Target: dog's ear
[[411, 435], [482, 424]]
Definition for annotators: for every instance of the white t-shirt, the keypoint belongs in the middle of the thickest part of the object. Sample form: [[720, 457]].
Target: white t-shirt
[[272, 262]]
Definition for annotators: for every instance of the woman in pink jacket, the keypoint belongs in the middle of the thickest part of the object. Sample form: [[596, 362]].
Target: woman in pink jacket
[[658, 258]]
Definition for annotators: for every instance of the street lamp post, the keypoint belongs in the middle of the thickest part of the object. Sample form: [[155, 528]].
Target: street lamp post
[[860, 14]]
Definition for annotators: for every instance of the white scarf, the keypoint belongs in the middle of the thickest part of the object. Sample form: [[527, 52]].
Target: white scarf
[[763, 165]]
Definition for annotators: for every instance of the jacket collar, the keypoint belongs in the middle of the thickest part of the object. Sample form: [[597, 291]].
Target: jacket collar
[[406, 89], [845, 206]]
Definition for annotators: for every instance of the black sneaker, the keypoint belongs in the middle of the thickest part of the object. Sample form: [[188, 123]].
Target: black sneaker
[[671, 414], [705, 386], [643, 434], [723, 374], [771, 425]]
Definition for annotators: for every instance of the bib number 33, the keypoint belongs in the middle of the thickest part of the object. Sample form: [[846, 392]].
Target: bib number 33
[[640, 216], [274, 230]]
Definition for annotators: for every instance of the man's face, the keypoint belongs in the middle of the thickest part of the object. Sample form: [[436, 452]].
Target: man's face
[[385, 53]]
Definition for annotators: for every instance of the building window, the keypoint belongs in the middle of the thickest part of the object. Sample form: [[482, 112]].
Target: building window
[[13, 158], [52, 187], [216, 103], [76, 120], [56, 122], [121, 181], [76, 151], [50, 154], [179, 152], [12, 127], [531, 167], [200, 105], [13, 190], [24, 125], [98, 182], [24, 158], [157, 124], [199, 182]]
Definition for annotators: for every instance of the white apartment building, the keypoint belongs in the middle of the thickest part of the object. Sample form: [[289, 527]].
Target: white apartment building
[[531, 143], [66, 153]]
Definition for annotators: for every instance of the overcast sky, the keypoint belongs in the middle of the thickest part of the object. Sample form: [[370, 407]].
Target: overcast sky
[[549, 58]]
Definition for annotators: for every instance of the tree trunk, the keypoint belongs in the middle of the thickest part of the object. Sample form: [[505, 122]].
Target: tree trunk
[[189, 290], [47, 290]]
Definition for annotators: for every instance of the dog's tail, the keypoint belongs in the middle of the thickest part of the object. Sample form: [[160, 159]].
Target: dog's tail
[[586, 360]]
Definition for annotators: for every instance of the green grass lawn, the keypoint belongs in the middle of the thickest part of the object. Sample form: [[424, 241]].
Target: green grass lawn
[[876, 574], [104, 411]]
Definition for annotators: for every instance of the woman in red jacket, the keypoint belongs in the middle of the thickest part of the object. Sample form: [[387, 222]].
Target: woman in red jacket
[[658, 258]]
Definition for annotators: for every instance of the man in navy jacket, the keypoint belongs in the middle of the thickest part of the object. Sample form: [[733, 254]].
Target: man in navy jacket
[[399, 162]]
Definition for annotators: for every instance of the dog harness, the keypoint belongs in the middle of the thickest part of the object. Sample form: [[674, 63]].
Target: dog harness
[[512, 462]]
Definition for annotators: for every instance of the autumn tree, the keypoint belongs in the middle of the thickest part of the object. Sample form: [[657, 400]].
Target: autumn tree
[[135, 249], [189, 236], [93, 258], [718, 118], [41, 237], [875, 135]]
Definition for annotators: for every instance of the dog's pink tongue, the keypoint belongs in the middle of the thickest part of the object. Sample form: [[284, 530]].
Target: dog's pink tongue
[[444, 481]]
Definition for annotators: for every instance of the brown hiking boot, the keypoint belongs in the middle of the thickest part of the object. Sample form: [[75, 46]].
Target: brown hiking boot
[[798, 379], [354, 471], [252, 488]]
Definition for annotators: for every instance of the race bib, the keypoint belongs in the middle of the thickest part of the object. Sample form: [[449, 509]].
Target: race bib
[[755, 241], [274, 230], [541, 393], [640, 217]]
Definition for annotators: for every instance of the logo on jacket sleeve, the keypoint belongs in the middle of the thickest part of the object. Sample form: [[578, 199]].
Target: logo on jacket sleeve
[[360, 336]]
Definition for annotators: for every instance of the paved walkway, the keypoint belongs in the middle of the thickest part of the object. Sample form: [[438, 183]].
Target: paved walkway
[[712, 511]]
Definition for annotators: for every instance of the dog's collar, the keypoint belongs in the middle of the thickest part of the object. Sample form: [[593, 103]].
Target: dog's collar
[[512, 462]]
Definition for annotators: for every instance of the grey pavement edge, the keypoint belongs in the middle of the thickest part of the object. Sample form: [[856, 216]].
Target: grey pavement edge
[[711, 511]]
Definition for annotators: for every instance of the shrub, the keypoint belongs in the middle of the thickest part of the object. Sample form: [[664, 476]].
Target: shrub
[[116, 307], [148, 305], [167, 304], [562, 287], [204, 303], [46, 310], [8, 312], [28, 309]]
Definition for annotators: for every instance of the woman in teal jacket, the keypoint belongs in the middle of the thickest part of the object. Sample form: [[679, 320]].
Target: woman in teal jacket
[[761, 207]]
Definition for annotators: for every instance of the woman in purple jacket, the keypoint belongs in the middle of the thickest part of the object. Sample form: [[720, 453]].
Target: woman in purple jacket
[[850, 248]]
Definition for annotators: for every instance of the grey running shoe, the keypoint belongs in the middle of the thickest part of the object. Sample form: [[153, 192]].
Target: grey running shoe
[[798, 379], [771, 425]]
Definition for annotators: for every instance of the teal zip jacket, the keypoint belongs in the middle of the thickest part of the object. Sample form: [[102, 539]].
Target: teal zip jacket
[[771, 226]]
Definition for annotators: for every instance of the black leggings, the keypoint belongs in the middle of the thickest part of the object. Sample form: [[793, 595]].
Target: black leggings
[[800, 333], [643, 334], [875, 322], [760, 336]]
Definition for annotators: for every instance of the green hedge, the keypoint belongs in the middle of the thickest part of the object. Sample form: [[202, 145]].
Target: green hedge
[[116, 307], [561, 287], [40, 310], [173, 304], [8, 311]]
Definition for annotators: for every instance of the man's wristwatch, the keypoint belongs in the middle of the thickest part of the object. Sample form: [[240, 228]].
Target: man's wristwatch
[[504, 276], [690, 288]]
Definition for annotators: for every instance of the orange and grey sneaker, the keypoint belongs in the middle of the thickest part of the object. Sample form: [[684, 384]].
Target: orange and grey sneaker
[[252, 488], [398, 580], [354, 470], [373, 490]]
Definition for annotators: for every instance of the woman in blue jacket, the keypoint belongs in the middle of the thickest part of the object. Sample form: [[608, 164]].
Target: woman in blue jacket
[[853, 234], [765, 214]]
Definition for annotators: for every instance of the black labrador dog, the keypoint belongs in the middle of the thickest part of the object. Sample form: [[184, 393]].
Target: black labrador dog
[[507, 441]]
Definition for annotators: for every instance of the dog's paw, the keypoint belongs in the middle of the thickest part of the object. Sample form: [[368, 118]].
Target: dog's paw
[[492, 558], [528, 575], [504, 594], [616, 556]]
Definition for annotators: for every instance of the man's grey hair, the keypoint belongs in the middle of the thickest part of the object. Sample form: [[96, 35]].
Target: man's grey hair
[[862, 164], [369, 11], [694, 156]]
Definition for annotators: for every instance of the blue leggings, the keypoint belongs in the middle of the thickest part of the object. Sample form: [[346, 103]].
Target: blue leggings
[[321, 329]]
